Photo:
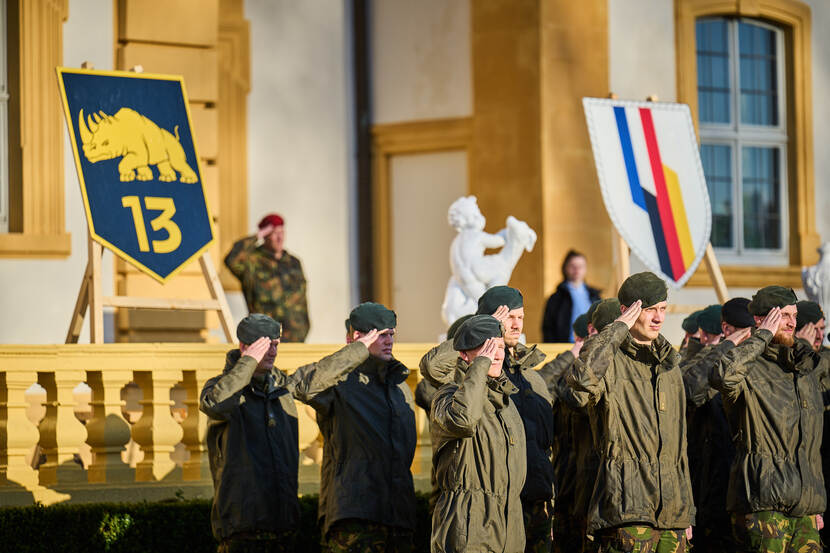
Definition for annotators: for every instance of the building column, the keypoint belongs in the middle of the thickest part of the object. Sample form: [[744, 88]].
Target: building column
[[533, 61]]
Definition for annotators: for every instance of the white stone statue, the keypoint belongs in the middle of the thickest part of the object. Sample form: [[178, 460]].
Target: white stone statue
[[816, 279], [472, 271]]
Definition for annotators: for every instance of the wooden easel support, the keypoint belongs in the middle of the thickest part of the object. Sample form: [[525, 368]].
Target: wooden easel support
[[90, 296], [623, 270]]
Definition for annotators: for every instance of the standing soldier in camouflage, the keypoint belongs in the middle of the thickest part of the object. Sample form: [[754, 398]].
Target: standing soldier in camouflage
[[535, 406], [770, 387], [478, 445], [367, 497], [629, 376], [272, 279], [710, 439], [252, 436]]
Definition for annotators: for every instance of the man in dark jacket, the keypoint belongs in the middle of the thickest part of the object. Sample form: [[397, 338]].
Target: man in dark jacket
[[478, 445], [710, 439], [629, 375], [367, 497], [571, 299], [252, 437], [770, 388], [534, 404]]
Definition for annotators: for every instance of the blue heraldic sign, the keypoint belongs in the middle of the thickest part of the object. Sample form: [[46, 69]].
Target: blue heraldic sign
[[138, 167]]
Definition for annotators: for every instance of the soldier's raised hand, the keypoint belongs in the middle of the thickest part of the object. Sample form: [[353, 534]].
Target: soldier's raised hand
[[771, 321], [370, 337], [259, 348], [808, 332], [739, 335], [501, 313], [577, 347], [264, 231], [631, 314], [489, 350]]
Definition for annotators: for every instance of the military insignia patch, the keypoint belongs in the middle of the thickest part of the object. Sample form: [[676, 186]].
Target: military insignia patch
[[138, 168], [363, 378]]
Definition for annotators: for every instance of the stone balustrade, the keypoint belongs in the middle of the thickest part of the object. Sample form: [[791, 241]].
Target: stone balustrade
[[120, 422]]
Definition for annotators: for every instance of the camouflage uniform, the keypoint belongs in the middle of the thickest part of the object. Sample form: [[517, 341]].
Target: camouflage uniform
[[360, 536], [276, 287], [642, 539], [774, 532], [260, 542]]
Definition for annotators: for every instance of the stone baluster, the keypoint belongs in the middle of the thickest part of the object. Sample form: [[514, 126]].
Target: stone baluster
[[17, 434], [157, 432], [194, 426], [61, 433], [107, 430]]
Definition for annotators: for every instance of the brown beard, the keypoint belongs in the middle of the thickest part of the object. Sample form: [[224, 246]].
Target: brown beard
[[784, 338]]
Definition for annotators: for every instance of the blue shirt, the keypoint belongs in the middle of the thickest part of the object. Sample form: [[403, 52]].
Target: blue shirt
[[581, 302]]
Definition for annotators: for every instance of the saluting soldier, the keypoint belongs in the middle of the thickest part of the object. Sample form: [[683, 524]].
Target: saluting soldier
[[252, 436], [770, 387], [272, 279], [478, 441], [631, 381], [710, 439], [367, 497], [534, 403]]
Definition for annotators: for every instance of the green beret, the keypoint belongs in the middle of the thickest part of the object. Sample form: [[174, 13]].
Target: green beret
[[645, 286], [370, 315], [456, 325], [591, 310], [709, 319], [771, 296], [606, 313], [735, 313], [497, 296], [689, 324], [581, 326], [808, 312], [475, 331], [348, 326], [255, 326]]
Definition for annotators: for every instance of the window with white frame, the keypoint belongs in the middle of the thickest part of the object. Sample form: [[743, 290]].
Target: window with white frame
[[743, 137], [4, 123]]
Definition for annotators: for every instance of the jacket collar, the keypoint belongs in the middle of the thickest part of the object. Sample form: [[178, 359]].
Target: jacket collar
[[525, 358], [392, 370], [799, 358], [659, 352]]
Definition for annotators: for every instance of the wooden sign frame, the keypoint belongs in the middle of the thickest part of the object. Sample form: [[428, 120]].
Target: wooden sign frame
[[91, 296]]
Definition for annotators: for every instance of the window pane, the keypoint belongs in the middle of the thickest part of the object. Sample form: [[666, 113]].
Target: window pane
[[717, 168], [759, 75], [762, 197], [712, 37]]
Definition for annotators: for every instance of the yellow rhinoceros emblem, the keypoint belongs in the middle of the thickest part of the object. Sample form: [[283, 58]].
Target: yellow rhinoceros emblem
[[139, 142]]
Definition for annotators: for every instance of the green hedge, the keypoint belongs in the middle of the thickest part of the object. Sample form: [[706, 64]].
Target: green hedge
[[172, 526]]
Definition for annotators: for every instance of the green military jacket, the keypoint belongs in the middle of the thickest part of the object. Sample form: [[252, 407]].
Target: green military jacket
[[479, 460], [638, 415], [252, 439], [275, 287], [772, 393], [563, 452], [710, 444], [368, 427], [575, 461], [437, 368]]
